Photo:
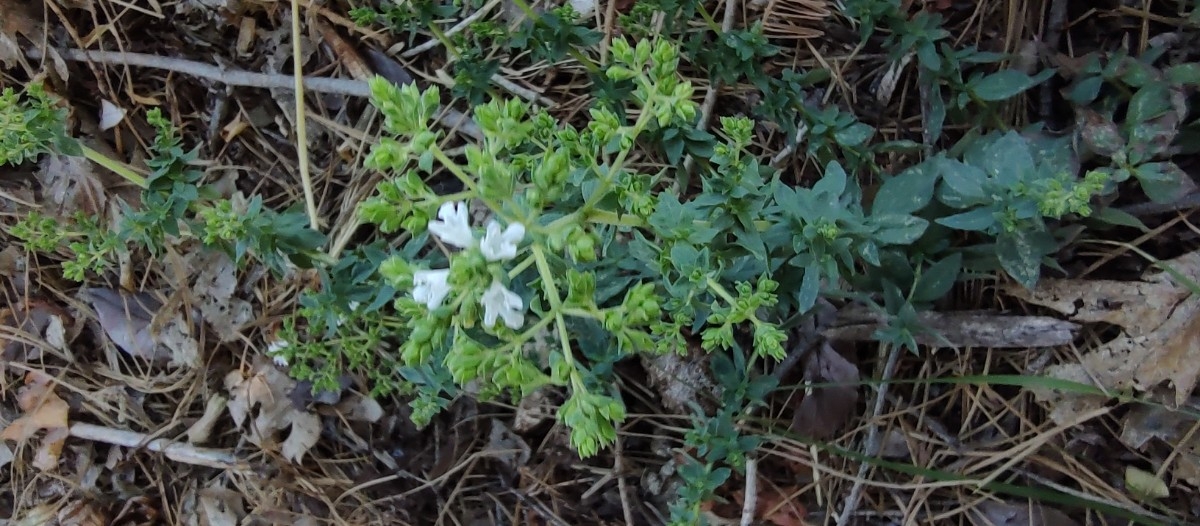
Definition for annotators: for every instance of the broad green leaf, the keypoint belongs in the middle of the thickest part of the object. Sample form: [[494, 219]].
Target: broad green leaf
[[855, 135], [1160, 181], [1006, 84], [937, 280], [1138, 73], [1149, 102], [1115, 216], [833, 183], [977, 220], [1086, 90], [898, 229], [1008, 159], [962, 184], [907, 192], [869, 252], [684, 257], [1020, 256], [1186, 74], [1151, 139], [928, 58]]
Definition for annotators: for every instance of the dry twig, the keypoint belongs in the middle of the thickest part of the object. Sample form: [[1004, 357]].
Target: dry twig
[[450, 117], [177, 451], [874, 440]]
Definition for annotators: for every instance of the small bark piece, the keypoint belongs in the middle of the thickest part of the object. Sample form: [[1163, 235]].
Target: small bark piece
[[963, 329]]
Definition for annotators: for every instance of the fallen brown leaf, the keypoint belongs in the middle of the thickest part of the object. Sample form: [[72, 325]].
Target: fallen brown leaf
[[39, 515], [126, 320], [72, 185], [83, 513], [268, 389], [1145, 422], [221, 507], [44, 410], [1159, 342], [37, 319], [823, 412], [19, 21], [129, 320], [778, 507], [214, 290]]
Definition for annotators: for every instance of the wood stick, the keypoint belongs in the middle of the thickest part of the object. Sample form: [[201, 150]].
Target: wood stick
[[177, 451], [450, 117]]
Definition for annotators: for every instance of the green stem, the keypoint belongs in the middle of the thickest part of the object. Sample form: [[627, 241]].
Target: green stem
[[454, 169], [466, 180], [116, 167], [520, 267], [720, 291], [556, 306], [609, 178]]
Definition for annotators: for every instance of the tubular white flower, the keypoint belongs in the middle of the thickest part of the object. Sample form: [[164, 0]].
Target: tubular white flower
[[431, 287], [453, 225], [274, 351], [497, 245], [499, 302]]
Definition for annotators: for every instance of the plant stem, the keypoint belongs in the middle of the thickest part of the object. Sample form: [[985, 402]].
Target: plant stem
[[310, 200], [113, 165], [556, 306], [613, 170]]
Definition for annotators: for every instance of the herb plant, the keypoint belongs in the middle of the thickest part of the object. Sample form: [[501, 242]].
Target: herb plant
[[173, 205]]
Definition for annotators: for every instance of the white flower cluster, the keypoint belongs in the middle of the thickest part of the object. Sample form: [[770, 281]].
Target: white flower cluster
[[453, 227]]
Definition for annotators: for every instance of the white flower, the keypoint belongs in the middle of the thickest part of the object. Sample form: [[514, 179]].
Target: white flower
[[497, 245], [498, 302], [430, 287], [274, 351], [453, 225]]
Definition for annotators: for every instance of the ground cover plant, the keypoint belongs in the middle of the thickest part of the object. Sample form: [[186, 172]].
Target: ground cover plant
[[646, 262]]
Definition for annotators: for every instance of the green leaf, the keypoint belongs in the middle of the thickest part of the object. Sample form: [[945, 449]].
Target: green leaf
[[810, 286], [937, 280], [1020, 256], [1008, 159], [935, 115], [869, 252], [1006, 84], [1116, 216], [1086, 90], [855, 135], [898, 229], [907, 192], [1160, 181], [1145, 485], [1100, 133], [1149, 102], [977, 220], [833, 183], [962, 184], [1185, 74]]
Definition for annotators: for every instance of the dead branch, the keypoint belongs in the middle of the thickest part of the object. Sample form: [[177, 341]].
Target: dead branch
[[177, 451], [962, 329], [450, 117]]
